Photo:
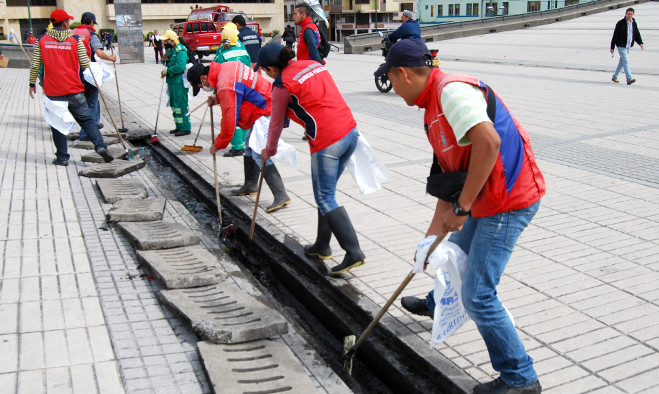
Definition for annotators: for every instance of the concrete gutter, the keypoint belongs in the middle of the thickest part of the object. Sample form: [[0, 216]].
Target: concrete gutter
[[360, 43]]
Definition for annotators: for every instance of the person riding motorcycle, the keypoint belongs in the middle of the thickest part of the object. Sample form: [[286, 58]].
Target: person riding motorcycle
[[409, 29]]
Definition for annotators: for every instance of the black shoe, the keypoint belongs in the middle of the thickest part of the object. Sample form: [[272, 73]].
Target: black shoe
[[59, 162], [321, 249], [105, 155], [630, 81], [174, 131], [276, 185], [181, 133], [498, 386], [100, 126], [344, 232], [417, 306], [234, 152]]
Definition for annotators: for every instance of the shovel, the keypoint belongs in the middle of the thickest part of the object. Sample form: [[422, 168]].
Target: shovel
[[123, 129], [349, 345], [194, 148]]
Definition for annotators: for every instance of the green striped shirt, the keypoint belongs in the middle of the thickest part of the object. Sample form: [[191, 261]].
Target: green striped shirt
[[464, 107]]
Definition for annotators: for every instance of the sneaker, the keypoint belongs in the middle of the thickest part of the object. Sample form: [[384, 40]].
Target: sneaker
[[59, 162], [105, 155], [181, 133], [498, 386], [417, 306], [100, 126], [173, 131], [234, 152], [630, 81], [614, 79]]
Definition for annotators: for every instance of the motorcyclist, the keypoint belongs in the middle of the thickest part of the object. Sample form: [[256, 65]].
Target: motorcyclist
[[409, 29]]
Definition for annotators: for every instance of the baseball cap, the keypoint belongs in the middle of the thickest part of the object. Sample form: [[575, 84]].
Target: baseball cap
[[88, 17], [194, 77], [59, 15], [269, 54], [407, 52], [408, 14], [169, 35], [231, 35]]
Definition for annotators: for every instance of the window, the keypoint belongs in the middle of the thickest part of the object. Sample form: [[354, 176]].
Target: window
[[406, 6], [362, 1], [504, 10], [440, 9], [23, 3], [457, 9], [432, 10], [491, 9], [533, 6], [571, 2], [188, 28], [472, 9], [450, 9]]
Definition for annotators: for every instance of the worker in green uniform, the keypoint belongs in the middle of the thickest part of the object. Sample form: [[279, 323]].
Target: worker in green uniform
[[175, 60], [233, 50]]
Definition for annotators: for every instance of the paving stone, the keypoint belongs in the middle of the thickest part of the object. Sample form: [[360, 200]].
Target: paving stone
[[114, 169], [114, 190], [90, 145], [178, 268], [138, 134], [257, 367], [117, 152], [137, 210], [72, 136], [224, 313], [158, 235]]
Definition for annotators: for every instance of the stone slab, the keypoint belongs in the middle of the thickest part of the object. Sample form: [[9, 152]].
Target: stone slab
[[90, 145], [263, 366], [117, 152], [158, 235], [133, 210], [224, 313], [181, 268], [138, 134], [114, 169], [113, 190]]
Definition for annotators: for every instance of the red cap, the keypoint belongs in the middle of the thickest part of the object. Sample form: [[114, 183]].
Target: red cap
[[59, 15]]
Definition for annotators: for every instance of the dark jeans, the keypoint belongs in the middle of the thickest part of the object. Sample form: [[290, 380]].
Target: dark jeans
[[158, 51], [81, 113], [91, 95]]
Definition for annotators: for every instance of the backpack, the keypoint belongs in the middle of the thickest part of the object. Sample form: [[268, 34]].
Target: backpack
[[192, 56], [324, 46]]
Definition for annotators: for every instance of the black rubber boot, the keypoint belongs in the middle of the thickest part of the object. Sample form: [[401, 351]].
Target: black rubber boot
[[321, 248], [251, 178], [342, 228], [276, 185]]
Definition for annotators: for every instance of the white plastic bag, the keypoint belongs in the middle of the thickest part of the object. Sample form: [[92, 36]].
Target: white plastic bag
[[258, 139], [102, 73], [56, 114], [366, 169]]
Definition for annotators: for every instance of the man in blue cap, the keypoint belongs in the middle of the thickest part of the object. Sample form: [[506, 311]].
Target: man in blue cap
[[473, 133]]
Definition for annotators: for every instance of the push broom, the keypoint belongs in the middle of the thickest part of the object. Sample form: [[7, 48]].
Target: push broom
[[154, 137], [123, 129], [194, 148]]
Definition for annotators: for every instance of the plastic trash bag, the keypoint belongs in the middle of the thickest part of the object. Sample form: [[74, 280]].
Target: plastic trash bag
[[56, 114], [366, 169], [258, 139], [102, 73]]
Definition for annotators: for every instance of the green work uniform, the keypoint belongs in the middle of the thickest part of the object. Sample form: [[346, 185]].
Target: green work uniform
[[178, 93], [235, 53]]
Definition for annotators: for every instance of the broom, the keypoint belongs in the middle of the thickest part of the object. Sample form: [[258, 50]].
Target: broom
[[123, 128], [194, 148], [154, 138]]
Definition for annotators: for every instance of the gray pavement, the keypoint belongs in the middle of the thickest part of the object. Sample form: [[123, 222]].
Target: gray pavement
[[581, 284]]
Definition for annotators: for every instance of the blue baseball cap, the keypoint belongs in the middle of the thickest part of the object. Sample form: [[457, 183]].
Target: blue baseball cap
[[407, 52], [88, 18], [269, 54]]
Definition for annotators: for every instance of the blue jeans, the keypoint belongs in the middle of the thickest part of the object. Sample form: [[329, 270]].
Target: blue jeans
[[623, 63], [249, 152], [489, 243], [327, 165], [91, 95], [80, 111]]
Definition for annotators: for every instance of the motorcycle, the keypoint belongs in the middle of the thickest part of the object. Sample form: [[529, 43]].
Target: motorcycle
[[383, 83]]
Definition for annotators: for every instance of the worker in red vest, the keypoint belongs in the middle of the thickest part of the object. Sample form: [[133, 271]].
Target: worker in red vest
[[94, 48], [63, 55], [309, 38]]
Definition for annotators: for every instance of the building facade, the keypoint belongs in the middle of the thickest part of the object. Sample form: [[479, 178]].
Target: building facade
[[443, 11]]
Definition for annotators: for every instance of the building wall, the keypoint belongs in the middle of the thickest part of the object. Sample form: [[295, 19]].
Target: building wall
[[428, 9]]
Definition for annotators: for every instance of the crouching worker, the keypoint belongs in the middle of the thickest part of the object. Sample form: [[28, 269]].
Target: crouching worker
[[305, 92], [471, 130], [244, 98]]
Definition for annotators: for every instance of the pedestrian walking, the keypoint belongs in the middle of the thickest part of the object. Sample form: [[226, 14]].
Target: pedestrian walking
[[94, 48], [63, 55], [244, 98], [177, 58], [304, 91], [472, 131], [108, 40], [309, 37], [157, 45], [288, 36], [624, 35]]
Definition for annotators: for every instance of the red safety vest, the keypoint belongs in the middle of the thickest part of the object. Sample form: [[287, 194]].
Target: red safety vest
[[515, 181], [302, 48], [61, 66], [316, 103], [85, 35]]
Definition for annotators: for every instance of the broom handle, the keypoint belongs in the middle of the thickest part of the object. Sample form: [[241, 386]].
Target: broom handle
[[200, 124], [196, 108], [162, 87], [100, 93], [391, 300], [116, 80], [217, 188], [256, 205]]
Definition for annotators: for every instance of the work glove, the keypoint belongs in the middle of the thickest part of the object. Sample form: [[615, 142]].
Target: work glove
[[163, 73], [165, 57]]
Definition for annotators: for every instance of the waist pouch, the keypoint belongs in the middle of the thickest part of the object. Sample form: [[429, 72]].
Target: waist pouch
[[446, 185]]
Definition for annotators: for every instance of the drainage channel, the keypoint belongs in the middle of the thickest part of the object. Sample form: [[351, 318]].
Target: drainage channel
[[325, 313]]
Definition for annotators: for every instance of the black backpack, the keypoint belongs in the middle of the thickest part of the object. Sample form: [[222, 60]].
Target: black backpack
[[324, 46], [192, 56]]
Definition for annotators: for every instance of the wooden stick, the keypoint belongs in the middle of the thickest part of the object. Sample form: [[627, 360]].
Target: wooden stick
[[256, 205], [217, 186], [116, 79]]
